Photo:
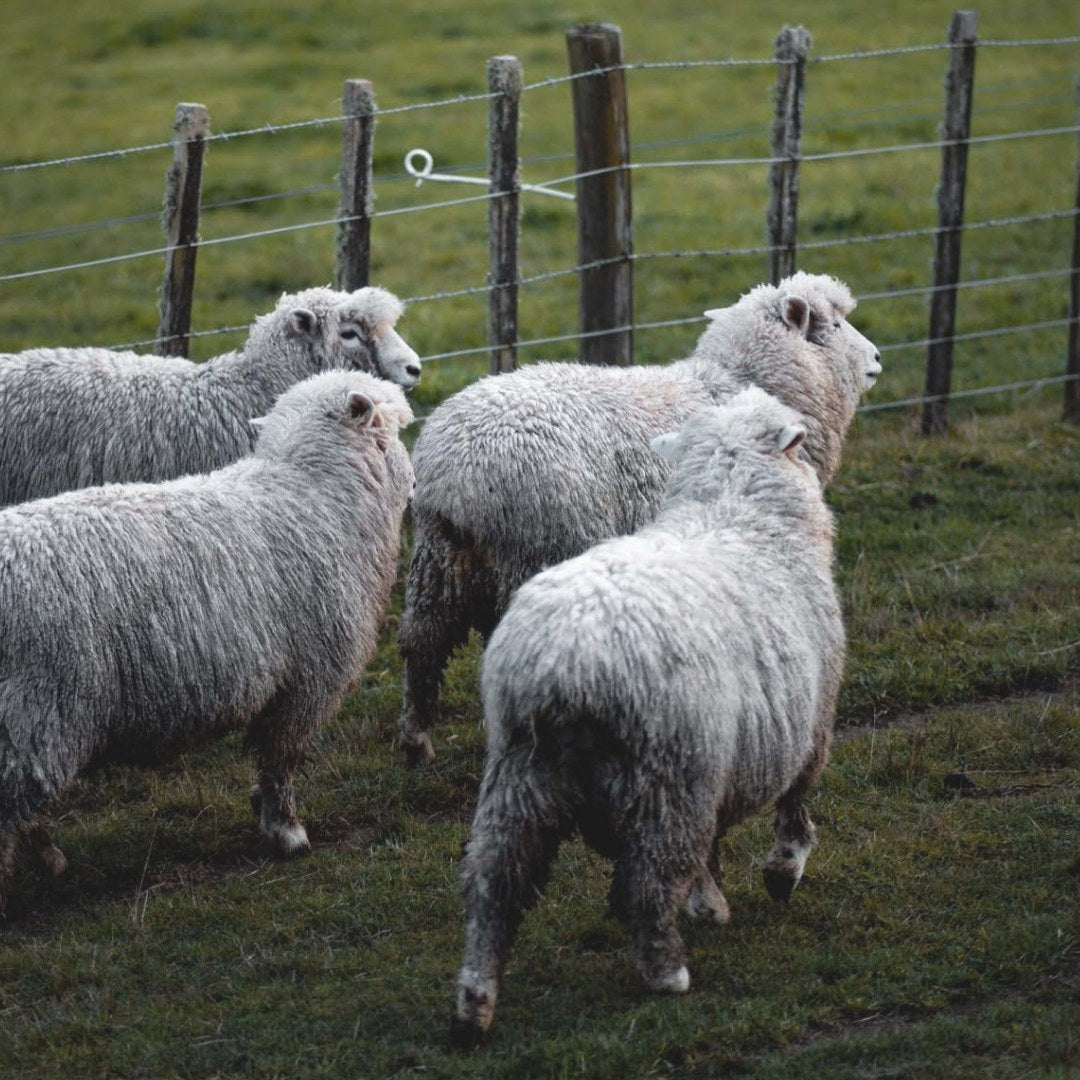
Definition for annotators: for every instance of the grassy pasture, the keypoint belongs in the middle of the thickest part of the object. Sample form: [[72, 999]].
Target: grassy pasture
[[938, 931]]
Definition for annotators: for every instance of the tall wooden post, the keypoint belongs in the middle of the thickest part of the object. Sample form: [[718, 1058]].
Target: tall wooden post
[[602, 144], [504, 81], [180, 218], [1072, 362], [792, 45], [959, 84], [357, 142]]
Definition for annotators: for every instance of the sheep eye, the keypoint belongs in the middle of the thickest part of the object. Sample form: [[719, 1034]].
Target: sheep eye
[[836, 324], [349, 335]]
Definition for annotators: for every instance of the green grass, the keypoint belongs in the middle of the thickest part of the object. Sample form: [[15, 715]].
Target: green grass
[[938, 931]]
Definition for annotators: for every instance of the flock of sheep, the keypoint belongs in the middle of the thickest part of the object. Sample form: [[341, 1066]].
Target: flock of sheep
[[190, 548]]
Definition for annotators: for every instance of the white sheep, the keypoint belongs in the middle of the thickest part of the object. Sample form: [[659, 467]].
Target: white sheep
[[520, 471], [139, 619], [129, 417], [654, 691]]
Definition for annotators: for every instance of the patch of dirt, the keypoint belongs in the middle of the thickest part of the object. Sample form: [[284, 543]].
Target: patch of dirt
[[919, 719]]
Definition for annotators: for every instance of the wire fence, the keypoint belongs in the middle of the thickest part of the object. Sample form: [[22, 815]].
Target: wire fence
[[870, 118]]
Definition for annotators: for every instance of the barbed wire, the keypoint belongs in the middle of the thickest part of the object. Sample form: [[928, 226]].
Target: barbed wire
[[459, 99], [821, 123], [665, 323], [256, 235], [489, 195], [479, 290], [978, 391]]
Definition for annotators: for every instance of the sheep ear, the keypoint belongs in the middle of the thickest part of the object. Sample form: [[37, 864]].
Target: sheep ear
[[795, 311], [258, 422], [790, 438], [714, 313], [361, 409], [301, 322], [666, 445]]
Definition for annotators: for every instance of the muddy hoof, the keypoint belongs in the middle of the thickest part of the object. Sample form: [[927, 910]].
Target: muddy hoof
[[418, 752], [466, 1035], [779, 885]]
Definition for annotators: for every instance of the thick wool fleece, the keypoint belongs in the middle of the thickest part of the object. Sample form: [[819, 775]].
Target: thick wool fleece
[[140, 619], [658, 688], [520, 471], [74, 418]]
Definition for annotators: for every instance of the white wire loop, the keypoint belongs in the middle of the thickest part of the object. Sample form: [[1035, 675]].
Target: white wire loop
[[424, 172]]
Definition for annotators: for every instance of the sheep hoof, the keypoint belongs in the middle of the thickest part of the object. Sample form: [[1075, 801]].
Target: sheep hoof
[[465, 1034], [670, 982], [52, 860], [778, 884], [290, 841], [472, 1018], [418, 751], [707, 904]]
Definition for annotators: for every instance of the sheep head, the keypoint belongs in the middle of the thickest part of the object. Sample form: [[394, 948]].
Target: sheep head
[[323, 329]]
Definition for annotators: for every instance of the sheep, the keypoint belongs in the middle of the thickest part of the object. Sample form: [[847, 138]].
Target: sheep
[[523, 470], [654, 691], [129, 417], [137, 620]]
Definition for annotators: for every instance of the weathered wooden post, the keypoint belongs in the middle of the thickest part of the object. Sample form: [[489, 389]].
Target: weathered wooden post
[[180, 219], [357, 142], [1072, 361], [792, 45], [602, 147], [504, 82], [959, 83]]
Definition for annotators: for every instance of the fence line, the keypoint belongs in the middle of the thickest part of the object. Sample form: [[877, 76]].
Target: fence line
[[608, 66], [279, 128], [487, 196], [817, 124]]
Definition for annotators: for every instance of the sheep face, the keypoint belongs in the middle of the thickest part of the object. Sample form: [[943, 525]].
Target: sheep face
[[354, 331], [824, 324], [813, 309]]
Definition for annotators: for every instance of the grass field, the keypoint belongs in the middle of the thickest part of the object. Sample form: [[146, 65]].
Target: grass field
[[937, 933]]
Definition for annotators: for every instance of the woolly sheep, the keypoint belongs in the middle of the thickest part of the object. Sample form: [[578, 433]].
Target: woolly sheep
[[128, 417], [521, 471], [140, 619], [657, 689]]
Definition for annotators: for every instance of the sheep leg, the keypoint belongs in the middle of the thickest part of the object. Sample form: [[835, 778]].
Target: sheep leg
[[794, 829], [660, 861], [443, 589], [515, 836], [9, 841], [48, 856], [706, 903], [278, 737]]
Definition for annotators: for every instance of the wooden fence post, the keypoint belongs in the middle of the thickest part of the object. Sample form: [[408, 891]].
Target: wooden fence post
[[959, 82], [1072, 361], [180, 218], [602, 145], [354, 228], [792, 45], [504, 81]]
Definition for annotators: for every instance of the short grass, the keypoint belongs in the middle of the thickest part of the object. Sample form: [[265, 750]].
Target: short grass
[[937, 932]]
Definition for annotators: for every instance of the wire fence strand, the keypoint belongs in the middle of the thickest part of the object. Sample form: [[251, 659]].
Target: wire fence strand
[[459, 99]]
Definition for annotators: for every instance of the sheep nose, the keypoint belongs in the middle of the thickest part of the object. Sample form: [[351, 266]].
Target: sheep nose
[[413, 370]]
